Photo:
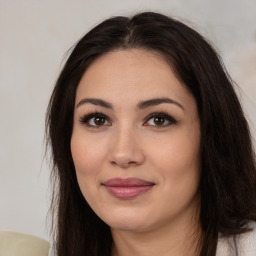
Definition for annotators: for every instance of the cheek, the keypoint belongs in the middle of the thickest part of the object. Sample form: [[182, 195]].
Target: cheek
[[88, 158], [178, 164], [177, 160], [177, 151], [86, 154]]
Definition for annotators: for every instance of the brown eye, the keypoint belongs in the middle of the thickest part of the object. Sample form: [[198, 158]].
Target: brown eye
[[95, 120], [159, 120], [98, 120]]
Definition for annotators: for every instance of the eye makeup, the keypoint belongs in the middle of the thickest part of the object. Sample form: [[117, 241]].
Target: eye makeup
[[96, 119], [161, 119]]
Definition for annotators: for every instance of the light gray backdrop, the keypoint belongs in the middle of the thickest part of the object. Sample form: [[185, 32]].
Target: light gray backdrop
[[34, 35]]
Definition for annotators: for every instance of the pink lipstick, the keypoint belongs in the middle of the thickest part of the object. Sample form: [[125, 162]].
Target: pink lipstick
[[127, 188]]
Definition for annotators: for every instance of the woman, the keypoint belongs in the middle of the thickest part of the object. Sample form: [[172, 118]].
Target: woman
[[151, 152]]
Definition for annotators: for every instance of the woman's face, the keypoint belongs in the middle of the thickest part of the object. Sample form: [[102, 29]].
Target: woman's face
[[136, 142]]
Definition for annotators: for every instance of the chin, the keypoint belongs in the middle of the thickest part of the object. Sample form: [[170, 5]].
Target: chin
[[128, 226], [127, 222]]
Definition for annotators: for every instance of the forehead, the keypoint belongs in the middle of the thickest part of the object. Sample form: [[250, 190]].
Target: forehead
[[131, 74]]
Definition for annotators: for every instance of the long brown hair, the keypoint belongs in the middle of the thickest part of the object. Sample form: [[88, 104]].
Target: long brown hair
[[228, 179]]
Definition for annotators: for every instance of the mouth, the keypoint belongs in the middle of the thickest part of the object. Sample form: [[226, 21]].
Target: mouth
[[127, 188]]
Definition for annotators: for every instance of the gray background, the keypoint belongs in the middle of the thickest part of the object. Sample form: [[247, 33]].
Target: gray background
[[34, 36]]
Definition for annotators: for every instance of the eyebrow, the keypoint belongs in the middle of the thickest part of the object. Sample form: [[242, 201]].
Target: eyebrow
[[95, 101], [157, 101], [140, 105]]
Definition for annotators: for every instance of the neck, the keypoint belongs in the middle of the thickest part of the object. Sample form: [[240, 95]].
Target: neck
[[176, 239]]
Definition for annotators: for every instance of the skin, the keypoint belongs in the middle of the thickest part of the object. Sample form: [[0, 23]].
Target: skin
[[129, 144]]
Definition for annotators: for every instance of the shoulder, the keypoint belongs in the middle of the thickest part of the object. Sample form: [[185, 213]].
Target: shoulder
[[246, 243]]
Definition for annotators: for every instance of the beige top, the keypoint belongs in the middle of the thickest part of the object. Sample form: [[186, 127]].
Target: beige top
[[246, 244], [18, 244]]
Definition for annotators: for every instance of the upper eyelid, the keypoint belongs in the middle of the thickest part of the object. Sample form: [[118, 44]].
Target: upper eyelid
[[168, 117], [158, 113], [87, 117], [96, 113]]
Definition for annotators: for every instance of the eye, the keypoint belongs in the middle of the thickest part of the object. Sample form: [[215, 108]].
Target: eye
[[95, 120], [159, 120]]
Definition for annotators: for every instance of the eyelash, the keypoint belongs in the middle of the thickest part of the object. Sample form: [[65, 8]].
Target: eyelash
[[86, 118], [163, 115]]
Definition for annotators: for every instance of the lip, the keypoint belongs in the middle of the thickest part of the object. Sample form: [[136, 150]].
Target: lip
[[127, 188]]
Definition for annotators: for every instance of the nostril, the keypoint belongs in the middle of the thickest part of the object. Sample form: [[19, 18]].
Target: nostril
[[124, 164]]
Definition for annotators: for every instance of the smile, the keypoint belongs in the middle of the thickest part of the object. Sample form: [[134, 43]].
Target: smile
[[127, 188]]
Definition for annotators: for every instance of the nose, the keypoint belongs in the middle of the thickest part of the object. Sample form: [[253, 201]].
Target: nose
[[126, 149]]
